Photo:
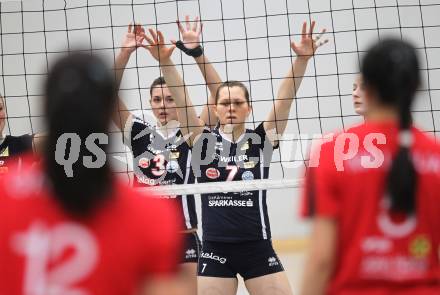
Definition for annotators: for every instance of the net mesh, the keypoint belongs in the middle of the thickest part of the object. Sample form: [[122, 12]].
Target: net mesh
[[246, 40]]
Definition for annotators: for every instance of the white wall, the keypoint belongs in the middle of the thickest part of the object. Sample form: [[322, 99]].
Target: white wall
[[257, 51]]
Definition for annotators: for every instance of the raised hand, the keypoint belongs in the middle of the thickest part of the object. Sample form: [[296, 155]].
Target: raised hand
[[133, 38], [308, 45], [157, 47], [191, 33]]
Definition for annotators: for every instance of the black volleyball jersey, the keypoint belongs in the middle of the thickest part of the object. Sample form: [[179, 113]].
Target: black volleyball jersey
[[234, 217], [159, 160], [11, 148]]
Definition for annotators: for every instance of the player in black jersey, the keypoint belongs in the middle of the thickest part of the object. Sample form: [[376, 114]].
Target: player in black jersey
[[236, 231], [161, 154], [10, 146]]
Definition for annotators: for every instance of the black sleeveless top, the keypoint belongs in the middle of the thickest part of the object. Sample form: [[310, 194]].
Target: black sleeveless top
[[11, 148]]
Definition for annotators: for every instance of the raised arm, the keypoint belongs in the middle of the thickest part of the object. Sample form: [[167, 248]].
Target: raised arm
[[186, 113], [132, 40], [190, 44], [305, 49]]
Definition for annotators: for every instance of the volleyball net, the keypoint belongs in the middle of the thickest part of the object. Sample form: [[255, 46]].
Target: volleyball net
[[247, 40]]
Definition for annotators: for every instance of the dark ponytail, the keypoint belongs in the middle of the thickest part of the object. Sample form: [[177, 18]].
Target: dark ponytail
[[80, 99], [391, 70]]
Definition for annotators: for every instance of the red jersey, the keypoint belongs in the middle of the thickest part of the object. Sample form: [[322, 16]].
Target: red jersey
[[45, 251], [377, 253]]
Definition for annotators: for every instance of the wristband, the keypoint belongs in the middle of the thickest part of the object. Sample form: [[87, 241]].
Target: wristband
[[194, 52]]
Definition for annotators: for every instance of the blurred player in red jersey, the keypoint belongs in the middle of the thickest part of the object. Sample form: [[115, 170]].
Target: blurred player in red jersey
[[84, 234], [373, 196]]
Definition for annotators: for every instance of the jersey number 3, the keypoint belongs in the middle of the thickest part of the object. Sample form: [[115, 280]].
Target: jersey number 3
[[159, 170]]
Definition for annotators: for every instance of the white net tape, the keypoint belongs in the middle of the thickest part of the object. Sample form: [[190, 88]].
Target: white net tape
[[231, 186]]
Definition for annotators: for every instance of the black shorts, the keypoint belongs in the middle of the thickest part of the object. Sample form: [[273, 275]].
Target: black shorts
[[192, 248], [249, 259]]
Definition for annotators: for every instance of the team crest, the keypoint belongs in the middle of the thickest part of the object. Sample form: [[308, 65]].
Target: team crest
[[212, 173], [144, 163], [247, 175], [172, 166]]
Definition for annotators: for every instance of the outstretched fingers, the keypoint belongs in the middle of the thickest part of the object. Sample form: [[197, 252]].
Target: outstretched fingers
[[188, 26], [195, 24], [200, 27], [304, 30], [312, 27], [294, 46], [160, 38], [153, 35], [138, 30], [150, 38], [181, 29], [318, 41]]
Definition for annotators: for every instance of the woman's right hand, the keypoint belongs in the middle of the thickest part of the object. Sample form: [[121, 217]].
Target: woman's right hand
[[190, 34], [157, 47], [133, 38]]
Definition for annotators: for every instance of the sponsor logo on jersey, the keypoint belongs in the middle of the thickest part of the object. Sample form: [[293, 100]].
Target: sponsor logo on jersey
[[174, 155], [154, 150], [249, 165], [273, 261], [144, 163], [168, 196], [392, 267], [231, 203], [190, 253], [152, 182], [5, 152], [376, 244], [219, 146], [229, 159], [420, 246], [245, 193], [212, 173], [247, 175], [170, 146], [172, 166], [211, 255], [395, 229], [2, 162], [245, 146]]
